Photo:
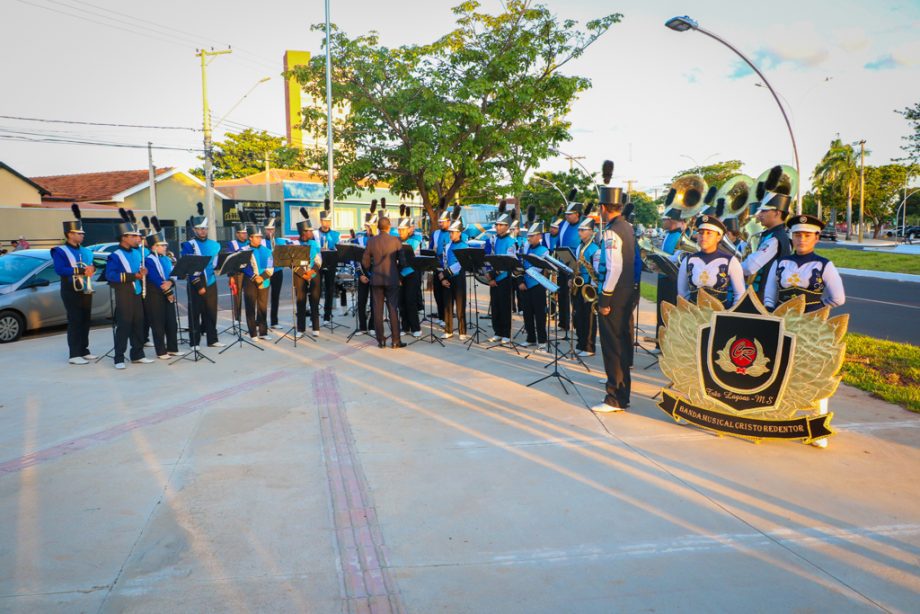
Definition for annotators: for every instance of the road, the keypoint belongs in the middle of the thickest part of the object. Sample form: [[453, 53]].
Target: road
[[877, 307]]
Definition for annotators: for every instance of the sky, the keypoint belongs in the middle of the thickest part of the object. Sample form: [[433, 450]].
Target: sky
[[660, 101]]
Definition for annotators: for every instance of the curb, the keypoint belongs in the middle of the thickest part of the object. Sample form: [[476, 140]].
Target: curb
[[906, 277]]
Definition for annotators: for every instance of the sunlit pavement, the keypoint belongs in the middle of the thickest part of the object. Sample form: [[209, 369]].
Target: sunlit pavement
[[336, 477]]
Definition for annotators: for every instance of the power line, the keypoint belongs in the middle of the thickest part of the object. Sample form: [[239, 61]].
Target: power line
[[28, 138], [82, 123]]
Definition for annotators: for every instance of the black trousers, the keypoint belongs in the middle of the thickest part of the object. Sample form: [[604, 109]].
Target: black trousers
[[534, 303], [454, 299], [390, 294], [438, 296], [500, 296], [564, 303], [617, 348], [204, 310], [408, 302], [667, 291], [585, 323], [79, 307], [161, 315], [364, 291], [276, 284], [328, 284], [255, 301], [129, 322], [304, 291]]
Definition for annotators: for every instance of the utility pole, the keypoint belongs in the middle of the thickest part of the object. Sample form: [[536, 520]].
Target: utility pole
[[267, 184], [208, 170], [629, 185], [862, 187], [572, 159], [153, 178], [330, 163]]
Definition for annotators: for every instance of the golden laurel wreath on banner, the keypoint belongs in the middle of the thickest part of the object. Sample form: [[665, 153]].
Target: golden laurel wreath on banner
[[747, 372]]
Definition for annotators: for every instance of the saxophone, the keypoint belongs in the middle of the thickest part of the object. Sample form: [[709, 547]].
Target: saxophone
[[589, 290]]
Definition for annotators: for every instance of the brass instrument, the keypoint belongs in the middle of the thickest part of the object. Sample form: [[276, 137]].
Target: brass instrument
[[83, 283], [686, 195], [589, 290]]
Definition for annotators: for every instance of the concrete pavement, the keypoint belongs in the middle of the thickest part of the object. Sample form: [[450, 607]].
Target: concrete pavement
[[344, 478]]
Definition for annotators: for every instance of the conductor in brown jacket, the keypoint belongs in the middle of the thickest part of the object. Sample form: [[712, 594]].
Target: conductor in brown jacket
[[384, 259]]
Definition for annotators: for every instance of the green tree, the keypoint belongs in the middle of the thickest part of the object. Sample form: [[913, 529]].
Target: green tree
[[884, 191], [912, 146], [548, 198], [646, 209], [836, 177], [715, 173], [242, 154], [479, 106]]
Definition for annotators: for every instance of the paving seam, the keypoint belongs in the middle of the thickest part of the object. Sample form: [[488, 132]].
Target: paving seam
[[369, 586]]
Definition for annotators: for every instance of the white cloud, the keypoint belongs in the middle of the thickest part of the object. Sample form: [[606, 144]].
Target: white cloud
[[851, 39]]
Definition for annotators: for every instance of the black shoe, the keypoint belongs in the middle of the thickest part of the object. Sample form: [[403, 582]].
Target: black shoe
[[399, 345], [381, 345]]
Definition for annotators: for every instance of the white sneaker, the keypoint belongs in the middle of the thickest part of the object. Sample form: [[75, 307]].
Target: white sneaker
[[148, 344], [541, 349], [163, 356], [439, 322], [90, 356], [195, 348], [526, 344], [821, 443], [119, 365], [603, 408], [326, 321], [417, 334], [78, 360], [585, 354], [298, 335], [316, 333], [463, 337], [143, 361], [493, 339], [217, 344], [177, 353], [277, 326], [446, 335], [506, 340], [361, 332], [266, 337]]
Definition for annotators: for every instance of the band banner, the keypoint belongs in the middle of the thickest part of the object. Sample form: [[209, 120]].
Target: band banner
[[806, 428]]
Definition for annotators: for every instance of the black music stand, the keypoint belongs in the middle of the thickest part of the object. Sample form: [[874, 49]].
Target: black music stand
[[111, 352], [232, 264], [186, 267], [472, 260], [351, 252], [291, 256], [508, 264], [422, 264], [330, 263]]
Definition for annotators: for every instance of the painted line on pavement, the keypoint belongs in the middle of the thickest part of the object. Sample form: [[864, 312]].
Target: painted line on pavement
[[99, 437], [369, 586], [872, 300]]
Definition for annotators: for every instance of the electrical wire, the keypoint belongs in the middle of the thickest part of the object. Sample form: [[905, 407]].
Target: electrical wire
[[83, 123]]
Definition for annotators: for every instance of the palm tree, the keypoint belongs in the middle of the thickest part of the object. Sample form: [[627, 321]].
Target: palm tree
[[838, 171]]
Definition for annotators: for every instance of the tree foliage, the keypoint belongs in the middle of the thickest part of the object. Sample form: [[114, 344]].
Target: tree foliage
[[471, 111], [540, 191], [912, 145], [242, 154], [715, 173], [884, 188], [836, 176], [645, 209]]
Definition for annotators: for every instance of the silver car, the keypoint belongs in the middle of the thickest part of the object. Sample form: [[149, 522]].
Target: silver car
[[30, 293]]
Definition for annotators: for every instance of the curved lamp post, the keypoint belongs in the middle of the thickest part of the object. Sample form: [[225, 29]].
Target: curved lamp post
[[682, 24]]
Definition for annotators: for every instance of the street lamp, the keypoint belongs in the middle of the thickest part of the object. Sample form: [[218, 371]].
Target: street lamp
[[240, 101], [581, 166], [697, 164], [684, 23]]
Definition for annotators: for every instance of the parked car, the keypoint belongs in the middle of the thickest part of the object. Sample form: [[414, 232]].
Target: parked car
[[102, 248], [30, 293]]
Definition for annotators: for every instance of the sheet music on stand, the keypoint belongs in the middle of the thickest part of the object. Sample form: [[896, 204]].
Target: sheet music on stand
[[565, 256], [538, 264]]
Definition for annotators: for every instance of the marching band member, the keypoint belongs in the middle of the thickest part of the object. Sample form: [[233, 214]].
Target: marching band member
[[568, 237], [256, 281], [238, 243], [204, 296], [774, 242], [551, 237], [806, 273], [277, 277], [124, 272], [500, 287], [533, 294], [74, 264], [674, 226], [615, 302], [160, 304], [440, 237], [733, 232], [327, 239], [453, 279], [710, 268], [411, 282], [589, 264], [364, 277], [307, 284]]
